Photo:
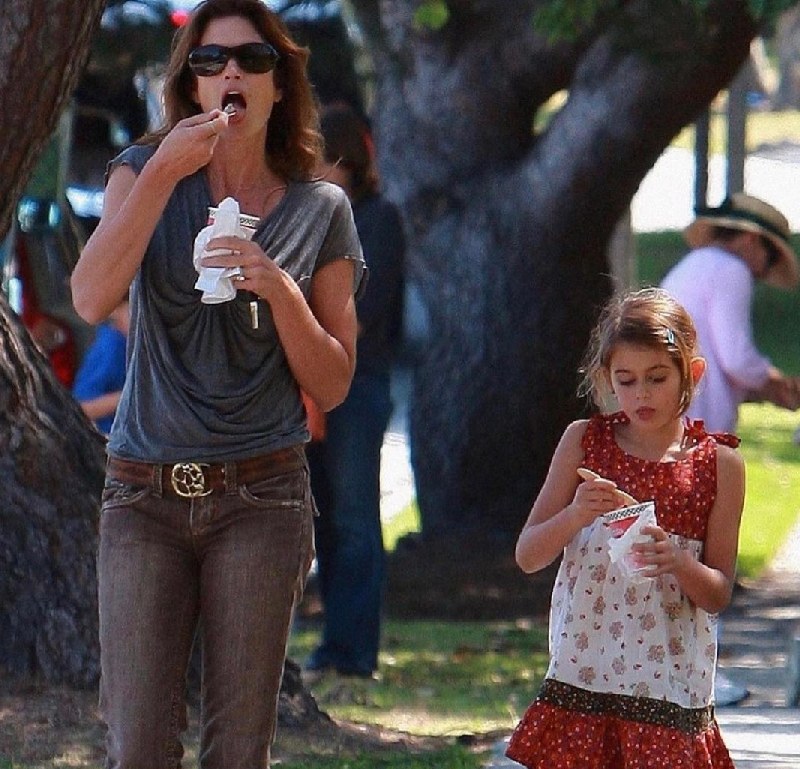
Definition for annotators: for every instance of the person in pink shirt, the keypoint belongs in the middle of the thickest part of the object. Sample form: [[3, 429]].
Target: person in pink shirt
[[733, 245]]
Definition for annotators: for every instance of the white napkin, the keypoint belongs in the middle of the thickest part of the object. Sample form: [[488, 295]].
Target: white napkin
[[630, 520], [215, 282]]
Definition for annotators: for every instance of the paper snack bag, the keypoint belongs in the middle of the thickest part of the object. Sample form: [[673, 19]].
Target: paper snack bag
[[626, 526]]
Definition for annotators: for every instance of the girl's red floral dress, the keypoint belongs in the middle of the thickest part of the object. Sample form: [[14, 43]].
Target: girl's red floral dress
[[631, 677]]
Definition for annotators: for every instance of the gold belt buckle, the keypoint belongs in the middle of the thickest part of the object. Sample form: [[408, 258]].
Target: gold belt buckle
[[189, 480]]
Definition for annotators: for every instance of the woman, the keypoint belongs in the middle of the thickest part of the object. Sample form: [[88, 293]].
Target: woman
[[345, 467], [207, 512]]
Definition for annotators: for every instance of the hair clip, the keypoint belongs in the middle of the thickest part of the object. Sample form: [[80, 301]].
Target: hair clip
[[670, 336]]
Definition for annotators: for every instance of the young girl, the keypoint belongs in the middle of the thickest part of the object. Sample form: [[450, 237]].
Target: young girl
[[631, 674]]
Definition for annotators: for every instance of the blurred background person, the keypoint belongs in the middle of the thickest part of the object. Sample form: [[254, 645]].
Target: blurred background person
[[345, 465], [99, 380], [741, 241], [734, 245]]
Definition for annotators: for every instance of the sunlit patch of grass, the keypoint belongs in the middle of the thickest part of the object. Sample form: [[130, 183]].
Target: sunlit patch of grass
[[763, 127], [445, 678], [772, 504], [407, 520]]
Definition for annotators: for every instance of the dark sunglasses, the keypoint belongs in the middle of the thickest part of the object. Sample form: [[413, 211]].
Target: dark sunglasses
[[255, 58]]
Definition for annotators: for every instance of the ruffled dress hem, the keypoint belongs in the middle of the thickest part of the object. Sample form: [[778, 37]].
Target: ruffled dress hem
[[552, 737]]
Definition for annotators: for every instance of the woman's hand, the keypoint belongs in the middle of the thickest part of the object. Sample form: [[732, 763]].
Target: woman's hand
[[191, 143], [258, 273]]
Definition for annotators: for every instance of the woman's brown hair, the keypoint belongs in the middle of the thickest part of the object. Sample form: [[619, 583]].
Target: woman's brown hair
[[294, 145]]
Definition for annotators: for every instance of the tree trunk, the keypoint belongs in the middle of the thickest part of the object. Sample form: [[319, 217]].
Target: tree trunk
[[52, 470], [43, 48], [508, 229], [51, 459]]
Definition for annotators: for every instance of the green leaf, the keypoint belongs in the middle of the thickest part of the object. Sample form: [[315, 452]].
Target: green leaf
[[432, 14]]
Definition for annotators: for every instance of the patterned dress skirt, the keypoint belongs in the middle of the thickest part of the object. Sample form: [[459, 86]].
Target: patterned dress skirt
[[567, 727]]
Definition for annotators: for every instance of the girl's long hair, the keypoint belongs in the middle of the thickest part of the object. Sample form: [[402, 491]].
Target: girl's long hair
[[293, 145]]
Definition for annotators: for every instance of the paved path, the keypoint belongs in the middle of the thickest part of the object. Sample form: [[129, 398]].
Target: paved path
[[665, 199]]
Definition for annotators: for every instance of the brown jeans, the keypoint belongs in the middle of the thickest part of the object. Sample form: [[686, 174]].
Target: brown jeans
[[235, 559]]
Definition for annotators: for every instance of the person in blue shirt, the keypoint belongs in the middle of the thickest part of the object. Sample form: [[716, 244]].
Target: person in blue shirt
[[98, 382], [345, 465]]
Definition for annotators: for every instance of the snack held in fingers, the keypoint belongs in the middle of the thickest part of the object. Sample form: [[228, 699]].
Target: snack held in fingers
[[589, 475]]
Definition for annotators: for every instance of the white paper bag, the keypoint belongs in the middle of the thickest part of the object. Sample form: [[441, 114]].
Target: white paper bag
[[215, 282], [626, 525]]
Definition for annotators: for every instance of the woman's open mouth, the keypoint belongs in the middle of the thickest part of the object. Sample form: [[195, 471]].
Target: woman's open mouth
[[234, 103]]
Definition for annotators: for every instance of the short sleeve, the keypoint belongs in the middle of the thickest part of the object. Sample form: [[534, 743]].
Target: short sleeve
[[341, 242], [134, 156]]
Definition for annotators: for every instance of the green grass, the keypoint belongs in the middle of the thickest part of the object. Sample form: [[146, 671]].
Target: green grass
[[772, 505], [407, 520], [443, 678]]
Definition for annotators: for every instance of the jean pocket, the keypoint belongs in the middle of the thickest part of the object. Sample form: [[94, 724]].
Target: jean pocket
[[118, 494], [280, 492]]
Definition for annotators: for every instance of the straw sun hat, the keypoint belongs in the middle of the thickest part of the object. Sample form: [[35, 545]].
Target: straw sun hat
[[744, 212]]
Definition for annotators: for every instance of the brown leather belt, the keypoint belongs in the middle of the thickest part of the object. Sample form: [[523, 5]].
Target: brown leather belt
[[199, 479]]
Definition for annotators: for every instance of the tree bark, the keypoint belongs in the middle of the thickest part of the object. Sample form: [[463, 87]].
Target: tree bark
[[52, 459], [52, 470], [43, 48], [508, 228]]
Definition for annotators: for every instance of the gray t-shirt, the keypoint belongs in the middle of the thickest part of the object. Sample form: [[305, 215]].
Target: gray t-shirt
[[202, 384]]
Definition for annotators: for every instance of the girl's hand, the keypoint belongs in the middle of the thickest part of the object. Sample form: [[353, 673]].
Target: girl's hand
[[593, 498], [190, 144], [259, 273], [660, 553]]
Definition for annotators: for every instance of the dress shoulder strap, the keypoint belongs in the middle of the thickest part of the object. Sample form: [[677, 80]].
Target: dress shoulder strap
[[694, 430]]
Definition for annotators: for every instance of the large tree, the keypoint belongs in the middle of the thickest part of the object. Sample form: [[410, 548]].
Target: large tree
[[52, 461], [508, 222]]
